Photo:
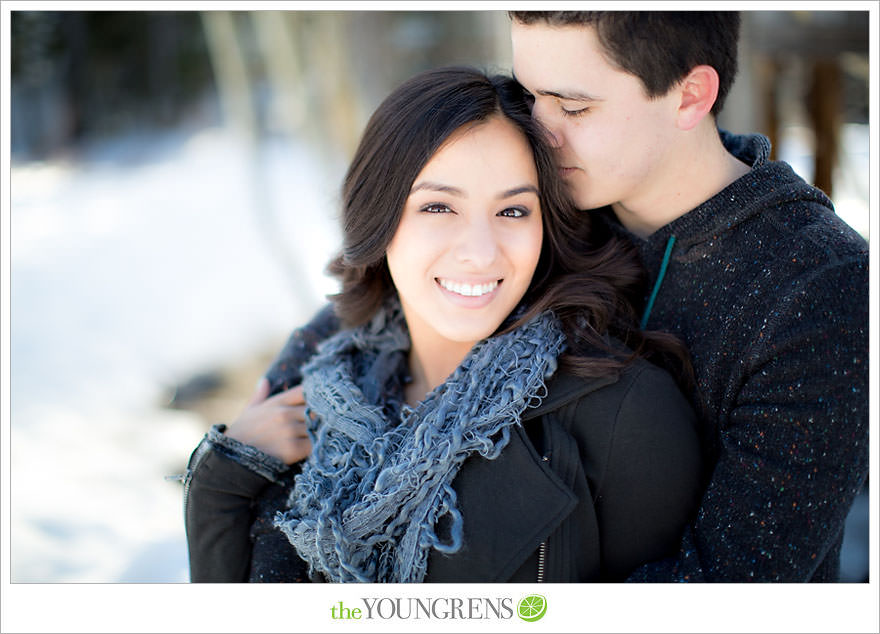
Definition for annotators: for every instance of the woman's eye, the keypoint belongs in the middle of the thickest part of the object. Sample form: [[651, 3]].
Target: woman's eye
[[436, 208], [514, 212]]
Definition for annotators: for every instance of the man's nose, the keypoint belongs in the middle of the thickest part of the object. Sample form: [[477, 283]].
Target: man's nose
[[552, 135], [554, 138]]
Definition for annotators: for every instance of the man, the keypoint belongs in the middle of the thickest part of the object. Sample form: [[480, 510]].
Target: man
[[749, 266]]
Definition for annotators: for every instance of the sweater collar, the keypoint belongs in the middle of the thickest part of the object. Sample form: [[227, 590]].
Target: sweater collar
[[725, 209], [737, 202]]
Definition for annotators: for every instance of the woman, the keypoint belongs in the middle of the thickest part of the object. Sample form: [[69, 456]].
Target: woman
[[482, 416]]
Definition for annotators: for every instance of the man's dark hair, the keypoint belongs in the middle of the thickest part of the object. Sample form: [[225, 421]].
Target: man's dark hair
[[658, 47]]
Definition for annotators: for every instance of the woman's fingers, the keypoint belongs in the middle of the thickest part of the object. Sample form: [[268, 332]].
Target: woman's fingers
[[293, 396], [297, 450], [260, 393], [300, 427], [276, 425]]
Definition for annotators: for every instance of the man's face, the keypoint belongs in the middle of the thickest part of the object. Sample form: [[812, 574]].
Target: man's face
[[612, 141]]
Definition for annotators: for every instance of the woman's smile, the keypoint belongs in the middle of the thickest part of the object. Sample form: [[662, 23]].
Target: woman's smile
[[468, 294]]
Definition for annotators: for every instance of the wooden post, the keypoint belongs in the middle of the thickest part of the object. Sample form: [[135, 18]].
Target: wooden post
[[768, 73], [824, 107]]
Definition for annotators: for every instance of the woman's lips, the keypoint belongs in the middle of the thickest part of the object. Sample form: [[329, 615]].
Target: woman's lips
[[472, 294]]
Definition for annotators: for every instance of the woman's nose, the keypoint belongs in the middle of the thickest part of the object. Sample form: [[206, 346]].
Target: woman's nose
[[477, 245]]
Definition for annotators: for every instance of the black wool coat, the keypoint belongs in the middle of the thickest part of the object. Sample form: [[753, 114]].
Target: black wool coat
[[600, 478]]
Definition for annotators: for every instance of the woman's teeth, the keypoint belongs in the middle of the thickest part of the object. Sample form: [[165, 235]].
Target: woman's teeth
[[469, 290]]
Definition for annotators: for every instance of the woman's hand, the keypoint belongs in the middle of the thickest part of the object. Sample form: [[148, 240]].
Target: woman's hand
[[274, 425]]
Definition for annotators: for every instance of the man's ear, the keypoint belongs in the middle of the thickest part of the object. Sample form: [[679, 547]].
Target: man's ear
[[698, 91]]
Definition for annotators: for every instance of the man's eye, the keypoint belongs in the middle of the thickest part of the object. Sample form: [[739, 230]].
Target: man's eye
[[436, 208], [574, 113]]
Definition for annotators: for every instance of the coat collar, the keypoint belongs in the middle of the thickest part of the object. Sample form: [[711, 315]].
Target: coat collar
[[564, 388]]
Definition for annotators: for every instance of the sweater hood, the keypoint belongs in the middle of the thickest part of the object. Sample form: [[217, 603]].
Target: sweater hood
[[768, 184]]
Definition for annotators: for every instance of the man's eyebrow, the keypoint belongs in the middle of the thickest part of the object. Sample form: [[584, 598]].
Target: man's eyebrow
[[568, 95]]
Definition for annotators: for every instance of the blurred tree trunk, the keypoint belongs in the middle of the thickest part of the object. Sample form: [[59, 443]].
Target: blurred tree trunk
[[337, 94], [277, 33], [236, 87], [231, 73]]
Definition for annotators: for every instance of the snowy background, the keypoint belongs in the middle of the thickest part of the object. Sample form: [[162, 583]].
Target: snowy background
[[132, 269]]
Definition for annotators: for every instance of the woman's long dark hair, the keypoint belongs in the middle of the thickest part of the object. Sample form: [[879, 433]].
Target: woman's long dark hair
[[589, 278]]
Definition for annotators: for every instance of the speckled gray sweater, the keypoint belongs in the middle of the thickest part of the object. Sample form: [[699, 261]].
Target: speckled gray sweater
[[769, 290]]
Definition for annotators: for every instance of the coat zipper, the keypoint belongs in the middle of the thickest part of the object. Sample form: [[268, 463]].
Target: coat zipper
[[542, 556], [186, 477], [542, 549]]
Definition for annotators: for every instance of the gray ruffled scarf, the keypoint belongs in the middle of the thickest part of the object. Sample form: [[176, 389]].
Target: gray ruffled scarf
[[367, 504]]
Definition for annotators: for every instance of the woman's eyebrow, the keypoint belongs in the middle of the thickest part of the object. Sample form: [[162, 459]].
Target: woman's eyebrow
[[449, 189], [437, 187], [522, 189]]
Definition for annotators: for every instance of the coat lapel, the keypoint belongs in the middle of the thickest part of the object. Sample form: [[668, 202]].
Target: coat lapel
[[509, 506]]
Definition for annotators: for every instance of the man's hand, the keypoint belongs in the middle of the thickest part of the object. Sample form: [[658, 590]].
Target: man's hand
[[274, 425]]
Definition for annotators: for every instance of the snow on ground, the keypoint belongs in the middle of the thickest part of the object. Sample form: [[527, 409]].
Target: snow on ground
[[133, 268]]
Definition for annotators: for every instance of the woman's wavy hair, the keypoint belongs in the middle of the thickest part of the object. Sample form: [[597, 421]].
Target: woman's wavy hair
[[591, 279]]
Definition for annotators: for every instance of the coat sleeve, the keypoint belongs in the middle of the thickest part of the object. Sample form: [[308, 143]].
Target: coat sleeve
[[223, 482], [219, 496], [652, 481], [794, 449]]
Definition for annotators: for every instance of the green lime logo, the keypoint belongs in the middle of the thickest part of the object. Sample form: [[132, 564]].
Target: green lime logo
[[532, 608]]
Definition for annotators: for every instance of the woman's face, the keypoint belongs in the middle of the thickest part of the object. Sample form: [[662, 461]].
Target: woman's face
[[470, 235]]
